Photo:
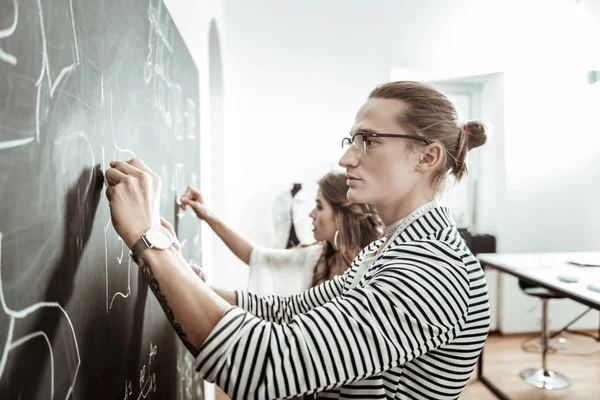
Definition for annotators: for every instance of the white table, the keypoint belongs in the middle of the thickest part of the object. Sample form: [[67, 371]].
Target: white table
[[544, 269]]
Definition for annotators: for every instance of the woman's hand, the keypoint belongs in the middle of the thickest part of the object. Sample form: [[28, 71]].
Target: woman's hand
[[193, 198], [167, 225], [134, 198], [197, 270], [236, 243]]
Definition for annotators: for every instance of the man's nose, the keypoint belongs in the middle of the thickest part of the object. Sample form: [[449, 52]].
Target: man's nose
[[348, 159]]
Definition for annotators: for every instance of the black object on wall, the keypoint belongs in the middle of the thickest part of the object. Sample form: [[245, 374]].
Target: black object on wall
[[483, 244], [81, 84], [479, 243], [293, 240]]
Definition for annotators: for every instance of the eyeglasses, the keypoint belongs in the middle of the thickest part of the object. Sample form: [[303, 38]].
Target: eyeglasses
[[359, 141]]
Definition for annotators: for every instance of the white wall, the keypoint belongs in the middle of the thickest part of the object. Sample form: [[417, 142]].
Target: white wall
[[551, 144], [297, 71]]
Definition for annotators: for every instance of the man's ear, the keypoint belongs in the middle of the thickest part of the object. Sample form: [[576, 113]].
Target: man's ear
[[431, 157]]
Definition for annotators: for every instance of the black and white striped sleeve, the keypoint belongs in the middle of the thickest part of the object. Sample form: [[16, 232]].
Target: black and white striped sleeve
[[282, 309], [404, 311]]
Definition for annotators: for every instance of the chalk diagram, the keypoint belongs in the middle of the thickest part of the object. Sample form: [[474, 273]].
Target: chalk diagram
[[49, 77], [13, 343], [147, 378], [179, 113], [108, 233], [113, 291], [4, 33], [190, 382], [197, 255], [190, 249]]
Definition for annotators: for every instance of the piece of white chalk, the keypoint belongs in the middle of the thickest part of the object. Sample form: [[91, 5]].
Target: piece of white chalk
[[178, 200]]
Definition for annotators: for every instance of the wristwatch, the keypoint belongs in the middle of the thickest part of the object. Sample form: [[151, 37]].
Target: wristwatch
[[154, 238]]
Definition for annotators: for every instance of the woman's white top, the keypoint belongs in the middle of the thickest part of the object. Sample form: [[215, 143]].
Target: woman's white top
[[282, 272]]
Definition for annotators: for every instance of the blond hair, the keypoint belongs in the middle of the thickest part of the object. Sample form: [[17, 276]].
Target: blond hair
[[430, 114]]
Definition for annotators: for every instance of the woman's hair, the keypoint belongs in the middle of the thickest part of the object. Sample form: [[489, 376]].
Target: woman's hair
[[430, 114], [358, 225]]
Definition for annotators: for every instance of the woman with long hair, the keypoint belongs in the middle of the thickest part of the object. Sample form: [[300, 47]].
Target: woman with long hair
[[341, 229]]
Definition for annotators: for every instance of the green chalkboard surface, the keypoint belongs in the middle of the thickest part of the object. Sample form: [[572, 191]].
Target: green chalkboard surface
[[83, 83]]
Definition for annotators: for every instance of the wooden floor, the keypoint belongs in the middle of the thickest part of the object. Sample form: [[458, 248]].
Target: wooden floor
[[504, 359]]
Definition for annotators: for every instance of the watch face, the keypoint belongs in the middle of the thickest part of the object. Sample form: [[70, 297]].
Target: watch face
[[159, 238]]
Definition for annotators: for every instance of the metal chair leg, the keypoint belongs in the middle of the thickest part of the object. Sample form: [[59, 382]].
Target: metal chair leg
[[544, 378]]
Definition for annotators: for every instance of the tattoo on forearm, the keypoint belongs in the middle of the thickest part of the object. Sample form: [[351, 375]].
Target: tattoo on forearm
[[162, 300]]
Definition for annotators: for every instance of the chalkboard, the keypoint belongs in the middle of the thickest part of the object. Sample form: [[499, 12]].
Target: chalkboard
[[82, 83]]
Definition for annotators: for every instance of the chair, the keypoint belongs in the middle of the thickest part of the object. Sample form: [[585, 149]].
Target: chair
[[543, 378]]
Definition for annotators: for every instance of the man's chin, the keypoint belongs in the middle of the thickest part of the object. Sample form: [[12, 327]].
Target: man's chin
[[355, 196]]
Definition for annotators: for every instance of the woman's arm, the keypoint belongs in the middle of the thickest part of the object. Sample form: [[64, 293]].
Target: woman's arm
[[241, 247], [286, 268], [282, 309], [228, 295]]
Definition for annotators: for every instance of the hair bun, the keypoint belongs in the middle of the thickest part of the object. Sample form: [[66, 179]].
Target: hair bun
[[476, 134]]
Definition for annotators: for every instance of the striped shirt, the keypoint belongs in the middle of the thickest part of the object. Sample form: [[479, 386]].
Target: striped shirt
[[412, 327]]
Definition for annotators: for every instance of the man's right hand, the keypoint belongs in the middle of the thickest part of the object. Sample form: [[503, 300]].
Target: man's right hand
[[193, 198]]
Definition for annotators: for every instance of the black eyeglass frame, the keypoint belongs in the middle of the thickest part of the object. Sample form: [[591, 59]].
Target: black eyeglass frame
[[366, 135]]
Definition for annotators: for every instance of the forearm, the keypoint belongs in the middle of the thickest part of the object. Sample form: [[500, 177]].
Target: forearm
[[236, 243], [227, 295], [191, 307]]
